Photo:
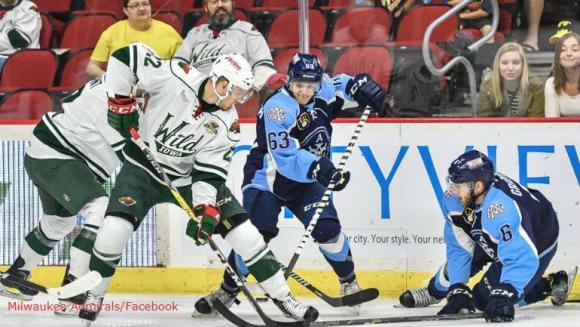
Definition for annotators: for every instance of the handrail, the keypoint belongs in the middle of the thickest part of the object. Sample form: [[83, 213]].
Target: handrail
[[303, 28], [459, 59]]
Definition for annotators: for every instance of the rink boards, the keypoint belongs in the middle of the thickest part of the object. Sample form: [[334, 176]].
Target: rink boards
[[390, 209]]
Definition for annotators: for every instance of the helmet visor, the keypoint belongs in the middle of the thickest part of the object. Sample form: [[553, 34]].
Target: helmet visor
[[241, 95]]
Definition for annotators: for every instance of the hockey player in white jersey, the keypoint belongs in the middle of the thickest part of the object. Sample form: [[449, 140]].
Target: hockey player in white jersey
[[19, 27], [191, 127], [225, 34], [70, 156]]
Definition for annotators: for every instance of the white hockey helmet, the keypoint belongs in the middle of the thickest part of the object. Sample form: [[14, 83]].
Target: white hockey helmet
[[236, 69]]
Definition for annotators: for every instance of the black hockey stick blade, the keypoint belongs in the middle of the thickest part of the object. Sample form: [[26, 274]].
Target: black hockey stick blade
[[79, 286], [350, 300], [236, 320], [390, 320]]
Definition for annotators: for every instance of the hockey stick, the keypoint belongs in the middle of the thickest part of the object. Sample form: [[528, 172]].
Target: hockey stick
[[76, 287], [236, 320], [326, 197], [350, 300], [391, 320], [238, 279]]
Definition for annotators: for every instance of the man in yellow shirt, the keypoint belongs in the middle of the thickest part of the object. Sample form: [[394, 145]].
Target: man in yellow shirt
[[138, 27]]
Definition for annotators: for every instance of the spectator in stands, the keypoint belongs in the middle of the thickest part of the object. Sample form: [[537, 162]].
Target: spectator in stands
[[535, 8], [478, 15], [138, 27], [226, 34], [508, 90], [19, 27], [398, 7], [563, 89]]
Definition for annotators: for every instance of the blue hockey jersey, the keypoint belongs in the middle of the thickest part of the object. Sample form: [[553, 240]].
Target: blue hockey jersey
[[514, 225], [290, 137]]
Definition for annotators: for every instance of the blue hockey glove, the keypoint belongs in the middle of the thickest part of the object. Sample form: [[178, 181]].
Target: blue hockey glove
[[500, 305], [458, 300], [364, 90], [209, 217], [324, 172]]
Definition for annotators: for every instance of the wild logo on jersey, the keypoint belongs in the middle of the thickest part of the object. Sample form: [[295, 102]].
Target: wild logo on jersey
[[207, 54], [172, 142]]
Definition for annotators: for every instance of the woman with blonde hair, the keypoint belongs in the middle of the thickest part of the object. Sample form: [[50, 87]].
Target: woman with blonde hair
[[509, 90], [563, 89]]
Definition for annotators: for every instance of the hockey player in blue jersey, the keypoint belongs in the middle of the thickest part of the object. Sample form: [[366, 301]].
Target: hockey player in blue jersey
[[490, 218], [289, 164]]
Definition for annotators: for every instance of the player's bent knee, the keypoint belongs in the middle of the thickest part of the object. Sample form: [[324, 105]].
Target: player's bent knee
[[246, 241], [326, 230], [94, 211], [112, 238], [55, 227]]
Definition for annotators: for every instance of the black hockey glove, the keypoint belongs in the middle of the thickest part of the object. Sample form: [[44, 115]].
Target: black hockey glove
[[458, 300], [123, 113], [364, 90], [324, 172], [500, 305]]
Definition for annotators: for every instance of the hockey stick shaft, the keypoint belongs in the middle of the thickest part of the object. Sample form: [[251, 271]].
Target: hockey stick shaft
[[390, 320], [326, 196], [238, 279]]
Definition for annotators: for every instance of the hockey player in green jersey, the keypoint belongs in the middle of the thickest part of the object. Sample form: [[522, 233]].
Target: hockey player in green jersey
[[191, 127], [70, 156]]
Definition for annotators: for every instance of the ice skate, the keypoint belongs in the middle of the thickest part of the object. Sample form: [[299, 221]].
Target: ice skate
[[351, 288], [562, 282], [91, 308], [13, 291], [292, 308], [203, 306], [70, 306], [417, 298]]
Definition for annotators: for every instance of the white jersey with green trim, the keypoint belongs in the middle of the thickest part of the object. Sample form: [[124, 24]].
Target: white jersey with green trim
[[82, 131], [186, 140]]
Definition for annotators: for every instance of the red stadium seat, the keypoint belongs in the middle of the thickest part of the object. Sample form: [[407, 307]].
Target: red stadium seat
[[414, 23], [245, 4], [248, 109], [100, 6], [362, 26], [341, 3], [181, 6], [26, 104], [170, 17], [284, 29], [73, 74], [241, 14], [77, 35], [46, 31], [28, 68], [375, 61], [283, 57], [53, 5]]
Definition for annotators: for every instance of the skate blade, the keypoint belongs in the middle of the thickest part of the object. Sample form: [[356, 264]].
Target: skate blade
[[13, 293]]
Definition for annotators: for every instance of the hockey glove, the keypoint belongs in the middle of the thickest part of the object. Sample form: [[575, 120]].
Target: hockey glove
[[458, 300], [209, 218], [500, 305], [123, 114], [276, 81], [324, 172], [364, 90]]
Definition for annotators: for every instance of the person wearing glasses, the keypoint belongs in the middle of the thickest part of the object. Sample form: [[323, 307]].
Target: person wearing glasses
[[138, 27]]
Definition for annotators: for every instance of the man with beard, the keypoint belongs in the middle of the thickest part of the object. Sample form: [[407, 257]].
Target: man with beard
[[226, 34]]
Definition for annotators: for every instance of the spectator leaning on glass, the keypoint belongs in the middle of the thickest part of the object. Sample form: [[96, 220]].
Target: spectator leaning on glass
[[138, 27], [226, 34], [563, 89], [19, 27], [509, 90]]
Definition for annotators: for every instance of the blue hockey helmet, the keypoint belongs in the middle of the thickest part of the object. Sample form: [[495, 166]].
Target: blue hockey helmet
[[305, 68], [470, 167]]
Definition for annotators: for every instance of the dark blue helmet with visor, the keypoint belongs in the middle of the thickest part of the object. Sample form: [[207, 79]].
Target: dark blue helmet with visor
[[471, 167], [304, 68]]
